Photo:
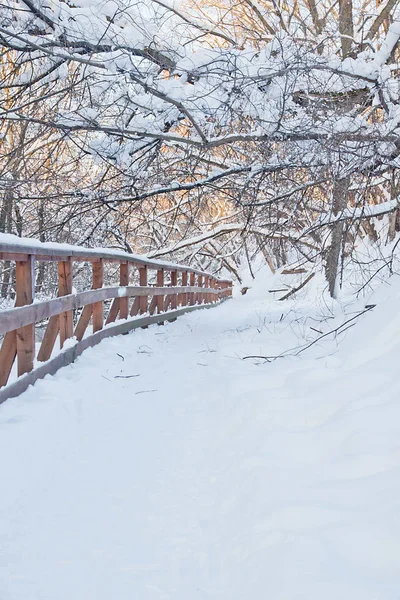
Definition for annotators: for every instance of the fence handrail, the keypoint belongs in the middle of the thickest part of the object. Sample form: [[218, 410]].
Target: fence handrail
[[15, 248], [163, 301]]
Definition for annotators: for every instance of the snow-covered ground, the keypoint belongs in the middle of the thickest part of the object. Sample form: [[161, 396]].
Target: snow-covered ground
[[163, 466]]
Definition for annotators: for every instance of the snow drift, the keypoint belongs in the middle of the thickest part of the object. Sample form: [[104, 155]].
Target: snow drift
[[163, 466]]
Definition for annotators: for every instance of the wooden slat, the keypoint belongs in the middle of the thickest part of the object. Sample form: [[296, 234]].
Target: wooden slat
[[49, 339], [8, 353], [83, 322], [184, 296], [114, 310], [135, 307], [97, 307], [51, 258], [167, 301], [199, 295], [173, 298], [180, 294], [24, 272], [143, 304], [153, 305], [192, 284], [160, 283], [65, 288], [14, 256], [124, 281], [174, 283]]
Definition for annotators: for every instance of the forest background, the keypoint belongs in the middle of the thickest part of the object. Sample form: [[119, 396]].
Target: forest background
[[207, 132]]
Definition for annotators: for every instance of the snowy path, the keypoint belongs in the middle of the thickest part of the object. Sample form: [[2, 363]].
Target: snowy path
[[229, 480]]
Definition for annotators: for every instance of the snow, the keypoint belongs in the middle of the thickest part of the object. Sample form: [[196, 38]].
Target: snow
[[355, 213], [163, 466], [129, 40]]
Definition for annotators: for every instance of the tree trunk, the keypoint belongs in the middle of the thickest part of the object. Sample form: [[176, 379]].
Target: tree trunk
[[339, 203], [394, 217], [6, 227], [346, 27], [41, 268]]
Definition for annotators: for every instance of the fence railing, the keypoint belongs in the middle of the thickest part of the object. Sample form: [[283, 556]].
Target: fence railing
[[176, 289]]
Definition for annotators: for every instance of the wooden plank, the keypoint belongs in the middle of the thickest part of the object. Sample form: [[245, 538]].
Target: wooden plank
[[180, 294], [153, 305], [14, 256], [143, 304], [65, 288], [49, 339], [113, 313], [97, 307], [24, 272], [70, 354], [160, 283], [183, 298], [135, 307], [8, 352], [174, 283], [214, 287], [51, 258], [124, 281], [167, 301], [173, 298], [83, 322], [199, 295], [192, 284], [18, 317], [160, 299]]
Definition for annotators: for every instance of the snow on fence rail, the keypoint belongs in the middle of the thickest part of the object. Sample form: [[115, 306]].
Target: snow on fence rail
[[164, 300]]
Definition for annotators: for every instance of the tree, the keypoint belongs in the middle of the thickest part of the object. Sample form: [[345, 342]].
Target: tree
[[251, 106]]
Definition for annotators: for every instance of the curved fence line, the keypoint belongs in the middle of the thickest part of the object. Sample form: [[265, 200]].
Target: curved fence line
[[14, 248], [69, 315]]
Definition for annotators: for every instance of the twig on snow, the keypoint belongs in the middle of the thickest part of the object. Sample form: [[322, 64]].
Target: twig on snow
[[294, 290], [337, 330]]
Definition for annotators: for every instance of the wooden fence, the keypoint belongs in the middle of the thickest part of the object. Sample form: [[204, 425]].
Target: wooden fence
[[175, 290]]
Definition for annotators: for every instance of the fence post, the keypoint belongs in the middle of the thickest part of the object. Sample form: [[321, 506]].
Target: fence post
[[97, 307], [185, 295], [143, 302], [123, 282], [20, 343], [160, 299], [199, 296], [25, 282], [192, 295], [64, 288], [174, 283]]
